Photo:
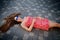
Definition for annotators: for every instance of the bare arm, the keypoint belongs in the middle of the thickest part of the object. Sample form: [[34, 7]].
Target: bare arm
[[26, 28]]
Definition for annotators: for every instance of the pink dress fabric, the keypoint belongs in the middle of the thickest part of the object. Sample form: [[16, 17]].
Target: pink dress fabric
[[38, 24]]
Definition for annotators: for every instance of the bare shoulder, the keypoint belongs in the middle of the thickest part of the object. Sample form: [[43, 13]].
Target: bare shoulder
[[40, 17], [25, 19]]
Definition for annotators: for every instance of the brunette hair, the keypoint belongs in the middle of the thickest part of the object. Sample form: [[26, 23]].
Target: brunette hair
[[9, 22]]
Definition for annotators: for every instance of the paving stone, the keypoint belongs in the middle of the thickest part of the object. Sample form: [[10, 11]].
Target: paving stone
[[45, 8]]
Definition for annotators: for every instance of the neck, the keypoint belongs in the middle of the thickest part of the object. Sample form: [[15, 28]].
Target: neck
[[21, 20]]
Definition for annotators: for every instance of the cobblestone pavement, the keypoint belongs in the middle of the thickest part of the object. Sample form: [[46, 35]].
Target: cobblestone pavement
[[45, 8]]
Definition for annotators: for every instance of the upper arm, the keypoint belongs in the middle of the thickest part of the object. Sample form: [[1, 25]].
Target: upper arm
[[26, 28], [23, 24]]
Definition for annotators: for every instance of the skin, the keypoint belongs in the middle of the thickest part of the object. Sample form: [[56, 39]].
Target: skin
[[51, 23]]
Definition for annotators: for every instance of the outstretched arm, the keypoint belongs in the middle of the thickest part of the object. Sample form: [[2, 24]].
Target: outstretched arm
[[26, 28]]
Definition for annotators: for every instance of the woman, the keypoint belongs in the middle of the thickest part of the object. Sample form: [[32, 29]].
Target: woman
[[28, 23]]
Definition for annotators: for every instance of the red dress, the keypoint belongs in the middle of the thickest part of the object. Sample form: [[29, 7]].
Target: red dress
[[39, 23]]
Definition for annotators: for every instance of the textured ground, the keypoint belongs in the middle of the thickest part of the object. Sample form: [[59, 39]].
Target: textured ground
[[45, 8]]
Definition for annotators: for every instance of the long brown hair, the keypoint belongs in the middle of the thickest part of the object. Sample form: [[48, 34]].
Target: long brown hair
[[9, 22]]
